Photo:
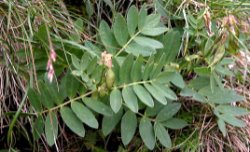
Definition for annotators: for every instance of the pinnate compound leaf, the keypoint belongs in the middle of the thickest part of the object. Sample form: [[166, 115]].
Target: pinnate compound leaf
[[147, 133], [72, 121], [116, 100], [51, 128], [162, 135], [143, 95], [128, 127], [84, 114]]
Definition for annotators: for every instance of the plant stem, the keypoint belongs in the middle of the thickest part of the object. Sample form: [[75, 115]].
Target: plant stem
[[126, 45], [67, 102]]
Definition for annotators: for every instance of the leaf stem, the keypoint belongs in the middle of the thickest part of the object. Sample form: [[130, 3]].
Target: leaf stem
[[67, 102], [133, 83], [126, 45]]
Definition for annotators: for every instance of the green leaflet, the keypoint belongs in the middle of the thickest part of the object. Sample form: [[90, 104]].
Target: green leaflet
[[148, 69], [76, 45], [69, 86], [146, 131], [92, 66], [85, 60], [75, 61], [222, 127], [160, 62], [136, 71], [154, 31], [130, 99], [78, 25], [89, 8], [116, 69], [168, 111], [143, 95], [84, 114], [51, 128], [116, 100], [97, 73], [98, 106], [175, 123], [109, 123], [203, 71], [55, 93], [128, 127], [152, 112], [132, 20], [142, 17], [48, 98], [137, 49], [162, 135], [151, 21], [232, 120], [187, 92], [34, 99], [126, 68], [38, 127], [107, 37], [218, 55], [231, 110], [173, 77], [209, 44], [72, 121], [199, 82], [156, 94], [120, 30], [110, 4], [149, 42], [220, 96], [172, 43], [168, 93]]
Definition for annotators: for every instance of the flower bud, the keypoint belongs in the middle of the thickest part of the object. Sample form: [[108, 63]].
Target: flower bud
[[110, 78]]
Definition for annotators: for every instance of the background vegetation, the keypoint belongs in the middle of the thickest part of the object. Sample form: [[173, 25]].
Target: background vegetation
[[139, 75]]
